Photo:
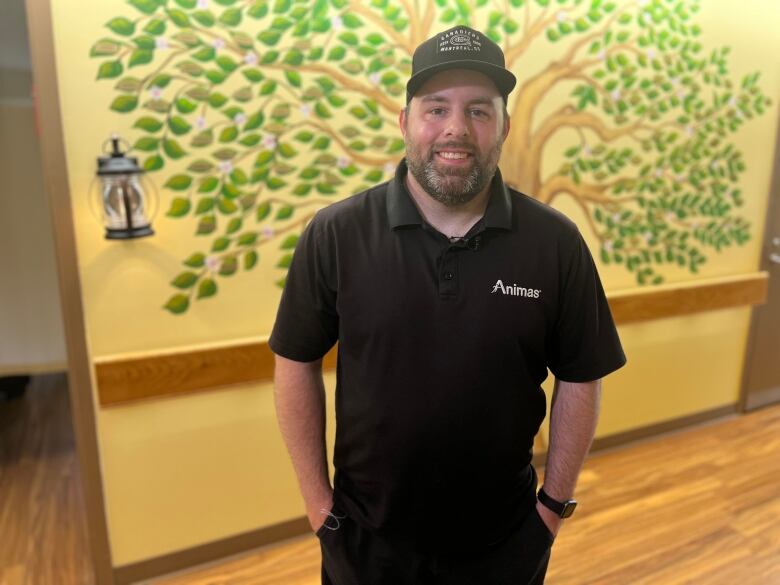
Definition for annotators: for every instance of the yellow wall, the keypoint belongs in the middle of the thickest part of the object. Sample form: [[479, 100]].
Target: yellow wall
[[184, 471]]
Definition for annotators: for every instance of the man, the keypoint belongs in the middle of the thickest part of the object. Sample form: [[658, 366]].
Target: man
[[450, 296]]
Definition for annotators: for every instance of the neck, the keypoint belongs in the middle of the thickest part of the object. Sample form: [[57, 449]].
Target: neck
[[452, 221]]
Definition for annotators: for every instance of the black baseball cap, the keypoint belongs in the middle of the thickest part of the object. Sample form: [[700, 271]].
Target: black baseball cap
[[460, 47]]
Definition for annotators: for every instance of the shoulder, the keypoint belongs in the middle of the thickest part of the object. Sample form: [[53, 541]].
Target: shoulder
[[543, 223]]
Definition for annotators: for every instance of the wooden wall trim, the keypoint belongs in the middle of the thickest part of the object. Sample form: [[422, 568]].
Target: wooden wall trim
[[41, 35], [677, 300], [127, 378]]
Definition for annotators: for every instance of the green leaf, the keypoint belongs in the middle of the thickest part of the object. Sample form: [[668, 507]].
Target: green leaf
[[207, 288], [215, 76], [148, 123], [230, 191], [145, 6], [140, 57], [147, 143], [254, 75], [287, 151], [173, 149], [228, 134], [225, 153], [196, 260], [285, 212], [322, 110], [185, 280], [121, 26], [233, 225], [185, 106], [208, 184], [336, 53], [231, 17], [247, 239], [220, 244], [104, 48], [179, 125], [204, 54], [229, 266], [226, 63], [110, 69], [304, 136], [254, 121], [124, 103], [285, 261], [293, 58], [128, 84], [259, 9], [269, 37], [349, 38], [293, 77], [250, 260], [263, 210], [282, 6], [275, 183], [153, 163], [177, 304], [179, 183], [179, 207], [290, 242], [268, 87], [217, 100], [204, 17], [179, 18], [205, 204]]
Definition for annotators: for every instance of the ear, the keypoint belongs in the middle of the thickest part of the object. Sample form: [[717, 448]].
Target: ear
[[402, 120]]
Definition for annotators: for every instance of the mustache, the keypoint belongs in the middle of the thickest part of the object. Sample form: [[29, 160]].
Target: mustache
[[452, 144]]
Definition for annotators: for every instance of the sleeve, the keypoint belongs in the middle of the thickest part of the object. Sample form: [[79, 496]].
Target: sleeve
[[585, 343], [307, 322]]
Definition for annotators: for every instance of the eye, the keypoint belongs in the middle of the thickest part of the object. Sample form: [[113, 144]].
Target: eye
[[437, 111], [479, 113]]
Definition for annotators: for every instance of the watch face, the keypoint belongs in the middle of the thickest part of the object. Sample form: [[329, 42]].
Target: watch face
[[568, 508]]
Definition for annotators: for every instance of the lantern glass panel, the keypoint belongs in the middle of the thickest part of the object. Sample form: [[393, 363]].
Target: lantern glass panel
[[122, 193]]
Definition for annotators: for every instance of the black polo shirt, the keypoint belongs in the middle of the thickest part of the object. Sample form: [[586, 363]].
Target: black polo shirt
[[442, 350]]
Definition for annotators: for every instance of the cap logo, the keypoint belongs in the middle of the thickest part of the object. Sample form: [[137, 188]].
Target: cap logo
[[459, 39]]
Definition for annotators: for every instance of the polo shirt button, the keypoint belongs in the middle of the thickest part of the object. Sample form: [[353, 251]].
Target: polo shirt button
[[448, 276]]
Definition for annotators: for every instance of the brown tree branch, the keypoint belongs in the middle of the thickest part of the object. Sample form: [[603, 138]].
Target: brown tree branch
[[356, 156], [399, 39], [559, 184], [513, 53]]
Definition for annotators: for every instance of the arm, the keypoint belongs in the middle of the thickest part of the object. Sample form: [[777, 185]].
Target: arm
[[573, 417], [299, 394]]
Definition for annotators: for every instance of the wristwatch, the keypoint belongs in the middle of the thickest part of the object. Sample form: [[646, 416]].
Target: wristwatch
[[563, 509]]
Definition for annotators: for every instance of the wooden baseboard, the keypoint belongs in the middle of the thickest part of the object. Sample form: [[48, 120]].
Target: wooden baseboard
[[208, 552], [620, 439], [756, 400]]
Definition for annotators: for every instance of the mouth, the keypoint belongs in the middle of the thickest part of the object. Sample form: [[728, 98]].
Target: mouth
[[453, 156]]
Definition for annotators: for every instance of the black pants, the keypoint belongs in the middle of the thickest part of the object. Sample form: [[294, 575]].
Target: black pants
[[352, 555]]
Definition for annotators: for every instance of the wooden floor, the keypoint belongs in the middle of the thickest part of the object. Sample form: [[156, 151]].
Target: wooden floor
[[42, 528], [698, 507]]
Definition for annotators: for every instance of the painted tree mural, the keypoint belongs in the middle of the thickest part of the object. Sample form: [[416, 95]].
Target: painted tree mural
[[262, 111]]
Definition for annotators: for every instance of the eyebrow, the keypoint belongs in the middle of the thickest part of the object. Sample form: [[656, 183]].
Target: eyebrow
[[441, 99]]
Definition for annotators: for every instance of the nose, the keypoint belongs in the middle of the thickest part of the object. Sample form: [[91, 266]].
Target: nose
[[457, 124]]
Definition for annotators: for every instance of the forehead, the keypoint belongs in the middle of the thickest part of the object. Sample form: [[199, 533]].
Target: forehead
[[465, 84]]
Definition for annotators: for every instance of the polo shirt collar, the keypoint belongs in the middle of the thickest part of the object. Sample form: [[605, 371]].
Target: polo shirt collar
[[402, 211]]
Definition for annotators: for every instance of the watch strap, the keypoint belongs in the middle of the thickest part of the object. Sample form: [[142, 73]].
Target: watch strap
[[562, 509]]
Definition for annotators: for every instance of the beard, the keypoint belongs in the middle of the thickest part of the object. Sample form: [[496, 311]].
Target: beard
[[452, 186]]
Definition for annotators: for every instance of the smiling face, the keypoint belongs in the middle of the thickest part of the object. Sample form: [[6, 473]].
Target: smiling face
[[454, 128]]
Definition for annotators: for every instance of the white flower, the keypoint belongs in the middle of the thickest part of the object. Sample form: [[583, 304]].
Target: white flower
[[733, 102], [608, 246], [659, 173], [161, 43], [336, 23], [218, 44], [714, 165], [250, 58], [602, 55], [225, 166], [615, 95], [268, 233], [648, 237], [374, 78], [689, 130], [670, 216], [562, 16], [674, 81], [616, 217], [212, 262], [680, 178], [586, 150], [269, 141], [155, 92], [200, 122], [681, 94], [389, 169], [343, 162], [305, 110], [203, 4], [651, 54], [240, 118]]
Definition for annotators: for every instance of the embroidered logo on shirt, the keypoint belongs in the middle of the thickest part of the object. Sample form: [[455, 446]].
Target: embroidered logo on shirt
[[515, 290]]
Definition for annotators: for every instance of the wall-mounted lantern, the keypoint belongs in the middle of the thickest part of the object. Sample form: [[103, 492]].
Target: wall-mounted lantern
[[125, 196]]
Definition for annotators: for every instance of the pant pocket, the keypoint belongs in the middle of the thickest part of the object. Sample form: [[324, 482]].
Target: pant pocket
[[334, 522]]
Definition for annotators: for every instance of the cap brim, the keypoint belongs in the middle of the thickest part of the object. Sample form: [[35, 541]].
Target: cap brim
[[504, 79]]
